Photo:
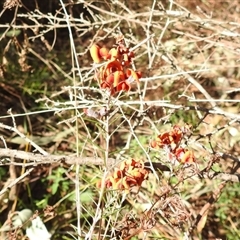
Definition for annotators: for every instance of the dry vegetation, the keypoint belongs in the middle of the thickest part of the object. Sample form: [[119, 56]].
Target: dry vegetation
[[52, 153]]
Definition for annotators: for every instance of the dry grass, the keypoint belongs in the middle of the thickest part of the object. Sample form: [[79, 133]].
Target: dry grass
[[188, 53]]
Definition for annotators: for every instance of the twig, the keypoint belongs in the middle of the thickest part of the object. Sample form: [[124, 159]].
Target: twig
[[17, 180], [14, 129], [173, 60], [206, 175]]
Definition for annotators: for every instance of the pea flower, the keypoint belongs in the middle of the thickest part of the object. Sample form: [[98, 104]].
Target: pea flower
[[130, 173], [171, 138], [115, 75], [184, 155]]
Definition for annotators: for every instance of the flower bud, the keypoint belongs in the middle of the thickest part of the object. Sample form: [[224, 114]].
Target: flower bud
[[94, 52]]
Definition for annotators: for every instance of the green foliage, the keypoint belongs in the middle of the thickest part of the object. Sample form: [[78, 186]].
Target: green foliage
[[182, 116], [37, 82], [134, 146], [58, 181], [227, 209], [3, 172]]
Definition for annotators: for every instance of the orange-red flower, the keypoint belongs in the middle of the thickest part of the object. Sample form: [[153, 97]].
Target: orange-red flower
[[112, 67], [105, 84], [133, 74], [171, 138], [94, 52], [184, 155], [98, 53], [123, 86], [115, 75], [104, 53], [113, 54], [118, 77], [130, 173]]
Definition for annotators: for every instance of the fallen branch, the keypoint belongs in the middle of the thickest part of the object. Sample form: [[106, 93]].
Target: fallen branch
[[8, 157], [35, 159]]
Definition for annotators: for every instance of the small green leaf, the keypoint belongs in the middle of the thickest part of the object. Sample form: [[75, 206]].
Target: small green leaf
[[85, 197], [54, 187], [13, 33]]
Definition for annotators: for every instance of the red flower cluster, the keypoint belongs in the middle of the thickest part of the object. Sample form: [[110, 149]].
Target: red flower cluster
[[116, 74], [184, 155], [172, 141], [130, 173], [171, 138]]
